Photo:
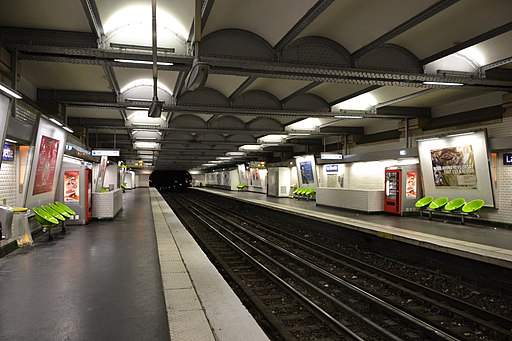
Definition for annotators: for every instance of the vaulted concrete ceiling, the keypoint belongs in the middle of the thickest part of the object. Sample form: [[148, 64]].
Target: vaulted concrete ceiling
[[271, 64]]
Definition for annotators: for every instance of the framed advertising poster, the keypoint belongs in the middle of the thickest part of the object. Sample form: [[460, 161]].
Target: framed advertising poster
[[46, 164], [410, 188], [71, 186], [454, 167], [457, 166], [306, 172]]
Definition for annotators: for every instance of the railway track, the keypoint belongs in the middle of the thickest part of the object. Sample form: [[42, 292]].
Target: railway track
[[349, 298]]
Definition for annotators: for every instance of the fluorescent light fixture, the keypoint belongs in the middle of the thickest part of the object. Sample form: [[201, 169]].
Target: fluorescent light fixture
[[403, 152], [223, 158], [443, 83], [461, 134], [235, 154], [363, 102], [11, 141], [299, 134], [208, 164], [68, 129], [350, 112], [347, 116], [146, 124], [146, 145], [136, 108], [215, 162], [9, 91], [56, 122], [250, 147], [147, 62], [428, 139]]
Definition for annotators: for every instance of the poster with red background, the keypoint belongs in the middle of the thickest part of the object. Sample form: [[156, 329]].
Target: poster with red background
[[71, 186], [46, 163]]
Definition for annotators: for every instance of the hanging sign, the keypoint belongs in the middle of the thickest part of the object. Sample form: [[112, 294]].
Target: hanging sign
[[105, 152]]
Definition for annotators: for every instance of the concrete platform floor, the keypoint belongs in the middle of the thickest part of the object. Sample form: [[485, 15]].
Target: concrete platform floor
[[140, 276], [97, 282]]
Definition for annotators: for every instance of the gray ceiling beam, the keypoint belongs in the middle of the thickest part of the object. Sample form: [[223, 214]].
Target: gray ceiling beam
[[253, 68], [404, 112], [305, 89], [93, 16], [330, 130], [242, 88], [180, 83], [303, 22], [13, 36], [405, 26], [355, 94], [475, 40]]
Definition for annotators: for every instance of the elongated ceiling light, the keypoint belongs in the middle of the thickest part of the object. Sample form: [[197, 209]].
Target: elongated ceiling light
[[147, 62], [443, 83], [9, 91]]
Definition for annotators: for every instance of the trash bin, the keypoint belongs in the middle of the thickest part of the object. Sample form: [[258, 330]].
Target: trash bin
[[21, 227], [6, 215]]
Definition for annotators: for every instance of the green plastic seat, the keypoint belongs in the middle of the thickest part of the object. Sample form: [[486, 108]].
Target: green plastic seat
[[44, 218], [423, 202], [69, 210], [61, 210], [473, 206], [454, 204], [438, 203], [296, 191], [54, 213], [309, 192]]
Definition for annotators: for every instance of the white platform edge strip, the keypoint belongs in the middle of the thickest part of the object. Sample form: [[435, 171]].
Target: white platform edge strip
[[227, 317]]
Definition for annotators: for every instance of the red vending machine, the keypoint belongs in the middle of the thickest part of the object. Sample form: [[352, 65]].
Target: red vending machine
[[401, 189]]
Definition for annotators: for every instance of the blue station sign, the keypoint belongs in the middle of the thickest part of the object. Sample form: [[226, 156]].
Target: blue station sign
[[331, 168], [507, 159]]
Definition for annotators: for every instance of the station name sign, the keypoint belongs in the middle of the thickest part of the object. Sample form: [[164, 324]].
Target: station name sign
[[331, 168], [507, 159], [330, 156], [105, 152]]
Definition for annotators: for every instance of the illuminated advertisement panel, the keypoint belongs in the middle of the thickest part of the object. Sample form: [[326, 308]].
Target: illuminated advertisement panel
[[306, 172], [71, 186], [457, 166], [454, 166], [410, 189]]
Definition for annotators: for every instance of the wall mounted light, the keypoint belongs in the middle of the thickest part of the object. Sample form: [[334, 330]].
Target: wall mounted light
[[10, 91], [56, 122]]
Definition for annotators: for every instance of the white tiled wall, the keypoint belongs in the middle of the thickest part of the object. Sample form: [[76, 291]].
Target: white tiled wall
[[8, 186]]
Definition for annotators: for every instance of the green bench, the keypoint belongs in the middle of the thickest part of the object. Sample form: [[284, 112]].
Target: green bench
[[241, 187], [443, 206], [51, 215], [304, 193]]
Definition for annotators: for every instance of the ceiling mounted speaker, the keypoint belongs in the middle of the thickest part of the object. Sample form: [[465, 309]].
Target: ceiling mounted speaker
[[197, 76]]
